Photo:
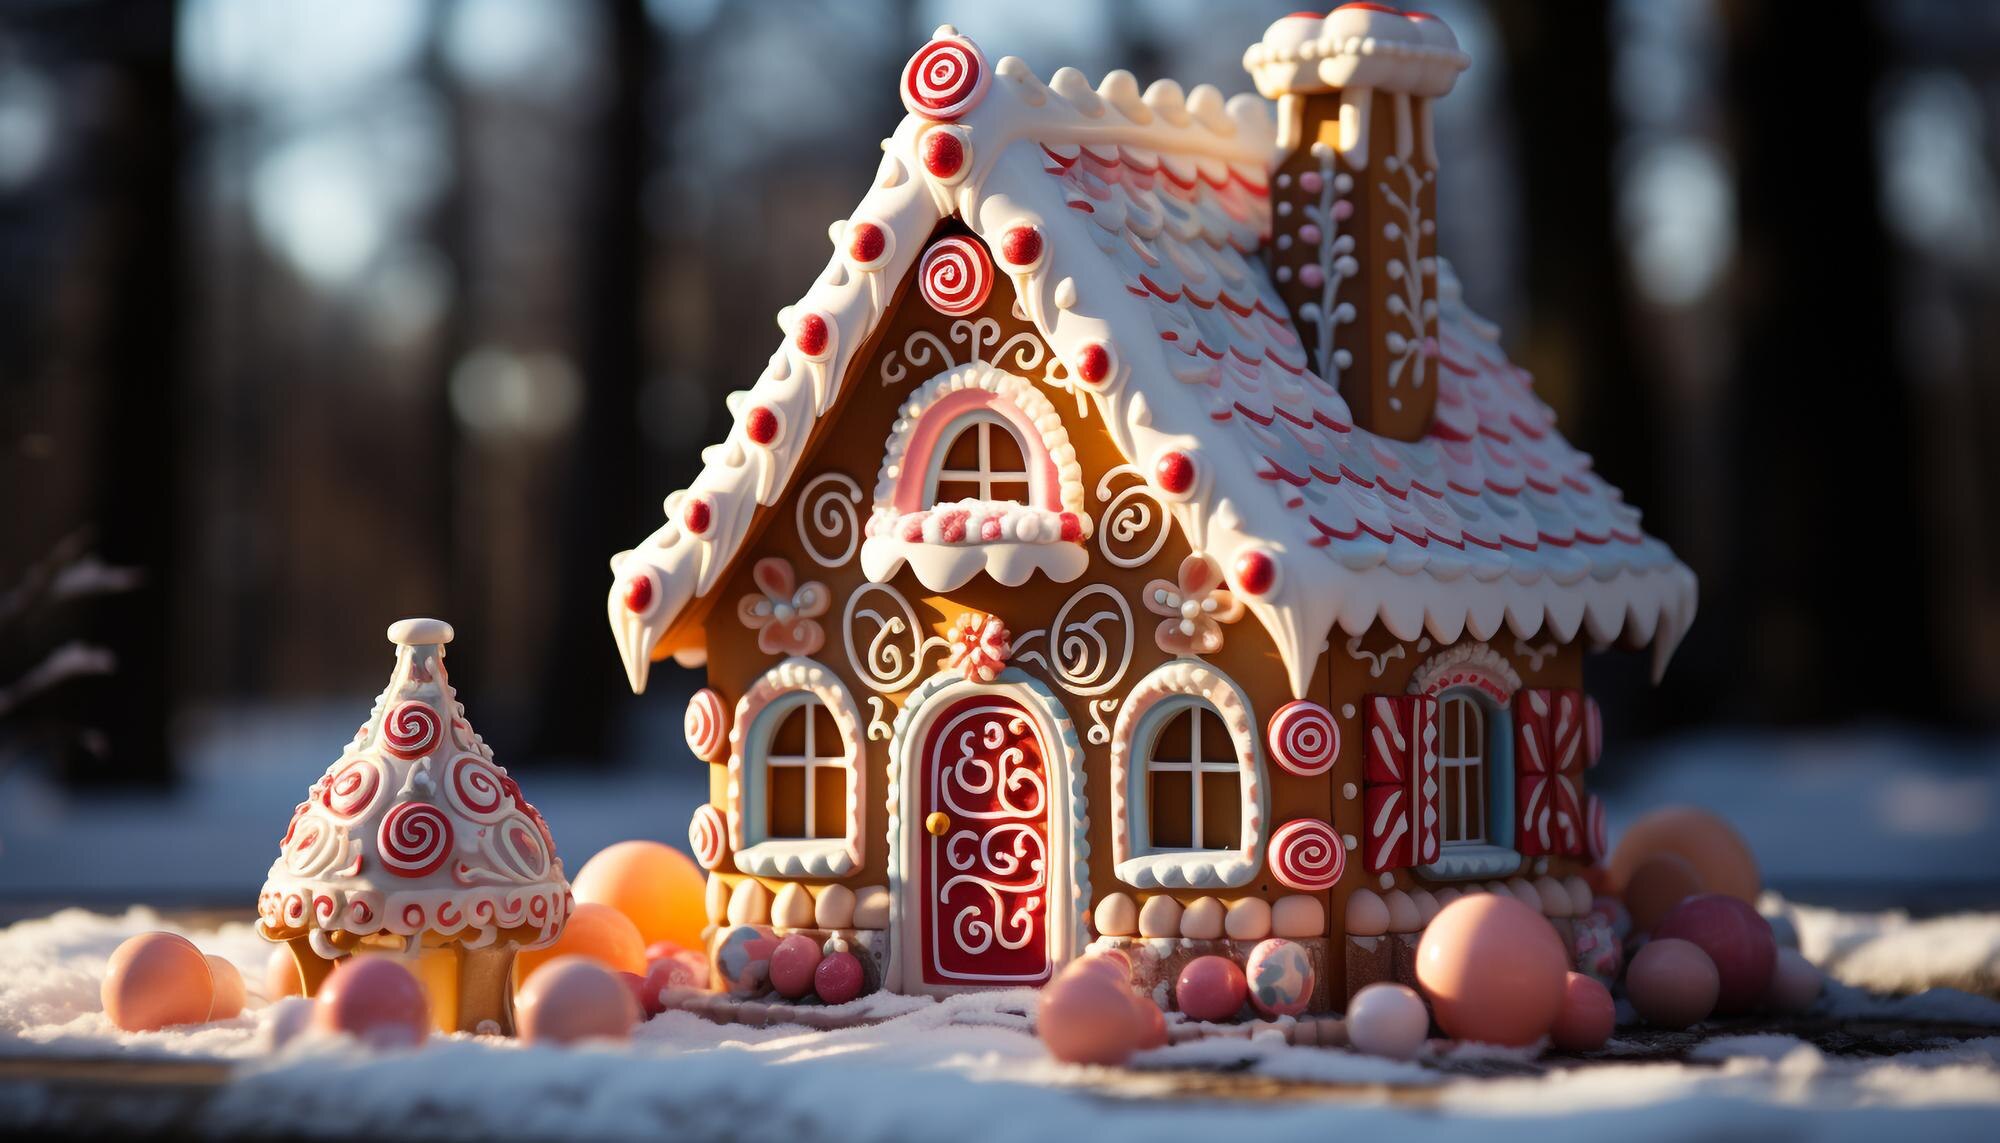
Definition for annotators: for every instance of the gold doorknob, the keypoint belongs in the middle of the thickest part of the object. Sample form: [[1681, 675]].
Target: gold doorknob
[[937, 824]]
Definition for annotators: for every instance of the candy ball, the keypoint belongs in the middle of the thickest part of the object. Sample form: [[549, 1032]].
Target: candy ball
[[1493, 970], [1672, 983], [1614, 913], [574, 998], [793, 963], [376, 1000], [1587, 1015], [229, 991], [1795, 983], [1736, 938], [281, 976], [649, 1004], [837, 980], [1280, 977], [741, 964], [155, 981], [1211, 988], [661, 950], [1660, 882], [684, 969], [1086, 1017], [597, 931], [1152, 1023], [1718, 854], [1388, 1020], [656, 886]]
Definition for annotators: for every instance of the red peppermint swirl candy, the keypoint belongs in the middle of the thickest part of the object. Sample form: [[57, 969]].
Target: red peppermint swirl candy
[[314, 846], [1304, 738], [708, 836], [956, 276], [1598, 837], [352, 790], [705, 725], [411, 730], [517, 849], [475, 789], [1306, 854], [415, 839], [945, 79]]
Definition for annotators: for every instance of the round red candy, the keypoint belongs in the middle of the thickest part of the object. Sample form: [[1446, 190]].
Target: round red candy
[[698, 516], [1175, 472], [1587, 1015], [812, 334], [793, 965], [1093, 363], [866, 242], [761, 426], [837, 980], [1736, 938], [944, 154], [1256, 572], [638, 594], [1211, 988], [1021, 246]]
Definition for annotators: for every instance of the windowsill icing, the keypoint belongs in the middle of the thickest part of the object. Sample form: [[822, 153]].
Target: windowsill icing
[[1459, 862], [1188, 869], [797, 857]]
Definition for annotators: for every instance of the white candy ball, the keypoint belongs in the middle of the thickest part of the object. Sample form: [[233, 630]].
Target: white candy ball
[[1795, 983], [1388, 1020]]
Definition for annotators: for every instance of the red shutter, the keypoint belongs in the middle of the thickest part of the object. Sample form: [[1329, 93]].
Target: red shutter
[[1550, 732], [1593, 733], [1400, 782]]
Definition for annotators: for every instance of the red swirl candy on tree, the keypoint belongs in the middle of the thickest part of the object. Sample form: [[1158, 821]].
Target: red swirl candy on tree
[[708, 836], [411, 730], [1304, 738], [474, 789], [1307, 855], [415, 839], [351, 791], [945, 79], [705, 725], [956, 276]]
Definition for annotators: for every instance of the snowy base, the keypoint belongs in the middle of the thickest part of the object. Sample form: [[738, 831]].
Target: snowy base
[[969, 1067]]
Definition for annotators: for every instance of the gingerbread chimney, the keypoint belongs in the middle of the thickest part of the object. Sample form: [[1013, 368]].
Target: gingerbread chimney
[[1353, 231]]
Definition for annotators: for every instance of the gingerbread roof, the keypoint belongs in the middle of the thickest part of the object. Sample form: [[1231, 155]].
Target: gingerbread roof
[[415, 830], [1129, 226]]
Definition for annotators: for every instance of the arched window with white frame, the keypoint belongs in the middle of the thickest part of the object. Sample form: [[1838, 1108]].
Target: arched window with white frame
[[1464, 802], [797, 779], [983, 461], [1194, 781], [1188, 798]]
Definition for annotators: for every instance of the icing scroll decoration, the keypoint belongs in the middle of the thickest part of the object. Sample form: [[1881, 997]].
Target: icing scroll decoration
[[1532, 653], [1100, 730], [893, 651], [879, 728], [980, 339], [1377, 663], [828, 512], [1084, 660], [1132, 527]]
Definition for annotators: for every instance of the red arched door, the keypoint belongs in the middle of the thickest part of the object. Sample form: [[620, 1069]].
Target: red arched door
[[983, 864]]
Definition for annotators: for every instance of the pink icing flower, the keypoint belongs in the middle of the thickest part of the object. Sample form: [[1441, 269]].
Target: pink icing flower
[[782, 616], [979, 647], [1196, 608]]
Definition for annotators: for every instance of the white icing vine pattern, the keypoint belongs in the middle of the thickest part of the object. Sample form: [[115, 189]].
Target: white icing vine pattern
[[1335, 263], [1377, 663], [925, 351], [996, 796], [828, 511], [1408, 351], [1085, 663], [1134, 519], [893, 653]]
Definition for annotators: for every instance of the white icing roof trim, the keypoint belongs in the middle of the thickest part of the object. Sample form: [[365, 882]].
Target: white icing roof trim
[[1077, 296]]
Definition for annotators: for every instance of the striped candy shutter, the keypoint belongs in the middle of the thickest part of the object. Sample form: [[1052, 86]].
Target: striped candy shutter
[[1551, 740], [1400, 782]]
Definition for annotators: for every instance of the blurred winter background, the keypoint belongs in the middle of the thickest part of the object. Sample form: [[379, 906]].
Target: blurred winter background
[[317, 313]]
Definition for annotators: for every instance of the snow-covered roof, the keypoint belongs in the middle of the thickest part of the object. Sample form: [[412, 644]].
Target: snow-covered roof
[[1129, 225]]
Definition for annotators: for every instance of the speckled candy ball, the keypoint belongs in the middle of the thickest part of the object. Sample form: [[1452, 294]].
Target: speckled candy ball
[[573, 998], [1795, 983], [1672, 983], [793, 964], [1587, 1016], [1211, 988], [1388, 1020], [837, 979], [376, 1000], [1280, 977], [1736, 938], [1493, 970], [155, 981], [742, 960]]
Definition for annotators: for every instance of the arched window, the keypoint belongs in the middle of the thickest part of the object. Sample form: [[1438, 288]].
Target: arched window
[[1188, 801], [983, 461], [796, 780], [1462, 768]]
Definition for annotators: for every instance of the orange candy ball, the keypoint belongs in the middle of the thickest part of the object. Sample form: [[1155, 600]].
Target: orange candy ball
[[155, 981], [1661, 882], [1493, 970], [1718, 854], [656, 886], [281, 976], [598, 932], [229, 991]]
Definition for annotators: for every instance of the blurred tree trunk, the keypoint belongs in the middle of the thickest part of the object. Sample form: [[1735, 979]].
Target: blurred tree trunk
[[1828, 556]]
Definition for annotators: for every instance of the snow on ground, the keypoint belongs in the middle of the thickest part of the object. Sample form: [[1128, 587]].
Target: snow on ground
[[968, 1067]]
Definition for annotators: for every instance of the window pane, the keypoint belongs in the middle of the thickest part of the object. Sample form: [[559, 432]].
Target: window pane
[[1216, 745], [1171, 743], [1170, 809], [786, 796], [826, 733], [789, 741], [829, 801], [1221, 810], [1450, 802], [1009, 490], [963, 452], [1004, 452]]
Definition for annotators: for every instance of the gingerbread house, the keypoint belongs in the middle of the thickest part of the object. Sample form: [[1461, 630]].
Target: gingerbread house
[[416, 844], [1135, 540]]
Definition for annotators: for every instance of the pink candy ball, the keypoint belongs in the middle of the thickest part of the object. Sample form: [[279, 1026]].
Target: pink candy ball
[[647, 1000], [1672, 983], [1152, 1024], [1736, 938], [681, 970], [376, 1000], [793, 964], [155, 981], [1587, 1015], [1086, 1016], [573, 998], [1795, 983], [837, 980], [1493, 970], [229, 992], [1211, 988], [1388, 1020], [281, 976]]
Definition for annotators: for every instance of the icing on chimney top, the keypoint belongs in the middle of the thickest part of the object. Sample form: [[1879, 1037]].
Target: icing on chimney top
[[1356, 45]]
